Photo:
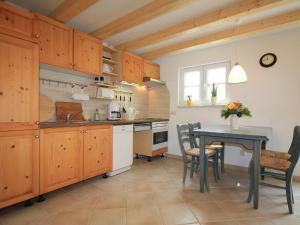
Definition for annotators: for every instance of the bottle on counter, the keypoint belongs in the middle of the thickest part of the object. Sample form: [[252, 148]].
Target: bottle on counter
[[96, 115]]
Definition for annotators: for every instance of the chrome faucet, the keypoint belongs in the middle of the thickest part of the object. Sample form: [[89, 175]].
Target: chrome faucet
[[68, 118]]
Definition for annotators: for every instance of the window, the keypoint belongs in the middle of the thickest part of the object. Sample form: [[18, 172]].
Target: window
[[197, 82]]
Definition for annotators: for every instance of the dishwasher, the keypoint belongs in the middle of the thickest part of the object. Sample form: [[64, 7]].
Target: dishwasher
[[122, 149]]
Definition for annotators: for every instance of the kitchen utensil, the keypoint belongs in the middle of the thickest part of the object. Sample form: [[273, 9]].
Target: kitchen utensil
[[47, 108], [64, 108]]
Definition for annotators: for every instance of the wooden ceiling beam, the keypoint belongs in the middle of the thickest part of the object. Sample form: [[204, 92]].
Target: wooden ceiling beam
[[141, 15], [280, 21], [68, 9], [233, 11]]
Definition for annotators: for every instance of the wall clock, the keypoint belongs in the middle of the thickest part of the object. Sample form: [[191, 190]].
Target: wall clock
[[268, 60]]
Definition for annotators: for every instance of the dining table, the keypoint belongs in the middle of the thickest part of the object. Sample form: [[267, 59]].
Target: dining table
[[252, 138]]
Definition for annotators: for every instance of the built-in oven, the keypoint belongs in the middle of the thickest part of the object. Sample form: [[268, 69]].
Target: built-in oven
[[159, 135]]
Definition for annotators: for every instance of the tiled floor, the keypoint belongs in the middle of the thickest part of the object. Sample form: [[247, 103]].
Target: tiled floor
[[153, 194]]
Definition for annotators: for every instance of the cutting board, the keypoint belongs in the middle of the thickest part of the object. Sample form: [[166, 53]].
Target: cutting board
[[47, 108], [63, 108]]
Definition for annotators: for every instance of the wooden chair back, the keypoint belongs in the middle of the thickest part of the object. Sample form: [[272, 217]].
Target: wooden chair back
[[183, 139], [294, 149]]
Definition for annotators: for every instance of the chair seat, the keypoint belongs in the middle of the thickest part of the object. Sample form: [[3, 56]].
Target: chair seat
[[275, 154], [274, 163], [214, 146], [196, 152]]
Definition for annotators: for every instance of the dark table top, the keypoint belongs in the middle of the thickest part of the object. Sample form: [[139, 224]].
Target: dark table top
[[244, 132]]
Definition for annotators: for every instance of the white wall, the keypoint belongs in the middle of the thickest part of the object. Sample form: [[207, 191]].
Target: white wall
[[271, 93]]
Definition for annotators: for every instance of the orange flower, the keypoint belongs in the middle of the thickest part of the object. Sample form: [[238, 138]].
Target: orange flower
[[231, 105]]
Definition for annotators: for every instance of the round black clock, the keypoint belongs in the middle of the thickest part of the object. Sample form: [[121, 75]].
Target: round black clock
[[268, 60]]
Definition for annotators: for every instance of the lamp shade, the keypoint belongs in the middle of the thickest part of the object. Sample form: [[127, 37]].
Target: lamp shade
[[237, 74]]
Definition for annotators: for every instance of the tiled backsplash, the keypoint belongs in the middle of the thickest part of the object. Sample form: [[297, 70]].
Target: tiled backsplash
[[152, 102]]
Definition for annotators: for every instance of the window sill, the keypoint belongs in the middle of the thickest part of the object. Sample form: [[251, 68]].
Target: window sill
[[202, 106]]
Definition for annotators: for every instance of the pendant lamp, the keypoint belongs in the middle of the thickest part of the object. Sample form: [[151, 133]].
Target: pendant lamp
[[237, 73]]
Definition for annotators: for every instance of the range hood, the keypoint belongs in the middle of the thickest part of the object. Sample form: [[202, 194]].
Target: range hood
[[151, 82]]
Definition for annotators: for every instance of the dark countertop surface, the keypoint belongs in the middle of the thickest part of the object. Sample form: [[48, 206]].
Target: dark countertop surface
[[44, 125]]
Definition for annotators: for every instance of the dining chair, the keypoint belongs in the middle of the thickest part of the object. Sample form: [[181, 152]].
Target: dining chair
[[280, 166], [190, 154], [219, 147]]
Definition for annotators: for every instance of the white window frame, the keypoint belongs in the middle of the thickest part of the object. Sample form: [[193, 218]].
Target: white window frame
[[203, 84]]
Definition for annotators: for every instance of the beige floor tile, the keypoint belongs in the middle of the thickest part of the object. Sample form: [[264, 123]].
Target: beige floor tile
[[208, 211], [74, 217], [168, 197], [140, 199], [239, 209], [109, 217], [108, 201], [144, 216], [174, 214]]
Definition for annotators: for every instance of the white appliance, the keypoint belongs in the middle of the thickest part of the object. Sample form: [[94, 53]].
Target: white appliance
[[122, 148], [159, 135], [114, 112]]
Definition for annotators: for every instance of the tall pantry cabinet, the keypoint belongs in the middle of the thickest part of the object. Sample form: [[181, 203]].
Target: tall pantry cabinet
[[19, 107]]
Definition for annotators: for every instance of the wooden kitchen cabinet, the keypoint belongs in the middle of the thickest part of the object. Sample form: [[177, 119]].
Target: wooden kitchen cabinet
[[151, 69], [16, 22], [132, 68], [88, 53], [19, 84], [97, 150], [55, 41], [19, 166], [61, 157]]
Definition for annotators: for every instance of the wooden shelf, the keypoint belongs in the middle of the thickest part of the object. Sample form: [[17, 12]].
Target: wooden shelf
[[110, 49], [103, 85], [110, 74], [110, 61], [102, 98]]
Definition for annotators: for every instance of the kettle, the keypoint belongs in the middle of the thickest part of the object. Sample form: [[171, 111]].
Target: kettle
[[130, 113]]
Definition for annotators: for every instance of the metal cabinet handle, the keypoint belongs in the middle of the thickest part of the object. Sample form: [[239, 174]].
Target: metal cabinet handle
[[37, 136]]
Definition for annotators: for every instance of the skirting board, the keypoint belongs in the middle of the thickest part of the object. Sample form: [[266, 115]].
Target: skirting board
[[227, 166]]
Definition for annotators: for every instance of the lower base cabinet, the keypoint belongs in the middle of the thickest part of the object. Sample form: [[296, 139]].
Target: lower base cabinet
[[97, 150], [19, 166], [69, 155], [61, 158]]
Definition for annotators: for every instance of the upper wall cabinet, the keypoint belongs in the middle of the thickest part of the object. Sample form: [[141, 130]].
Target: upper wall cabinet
[[19, 84], [88, 52], [55, 41], [132, 68], [151, 70], [15, 22]]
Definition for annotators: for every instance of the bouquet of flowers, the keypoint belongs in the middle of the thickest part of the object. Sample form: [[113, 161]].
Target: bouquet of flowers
[[235, 108]]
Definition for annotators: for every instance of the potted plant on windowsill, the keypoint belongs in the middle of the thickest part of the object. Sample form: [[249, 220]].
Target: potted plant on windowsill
[[214, 93], [235, 111]]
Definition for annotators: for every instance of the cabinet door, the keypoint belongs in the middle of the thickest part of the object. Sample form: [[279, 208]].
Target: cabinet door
[[19, 84], [97, 150], [87, 53], [16, 22], [132, 68], [19, 166], [55, 41], [61, 158], [151, 70]]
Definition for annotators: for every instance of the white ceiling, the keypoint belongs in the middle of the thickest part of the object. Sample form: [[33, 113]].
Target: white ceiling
[[105, 11]]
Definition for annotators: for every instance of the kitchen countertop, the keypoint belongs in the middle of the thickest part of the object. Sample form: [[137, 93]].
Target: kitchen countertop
[[44, 125]]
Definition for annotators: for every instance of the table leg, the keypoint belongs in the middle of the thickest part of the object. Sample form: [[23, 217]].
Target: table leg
[[256, 174], [202, 163]]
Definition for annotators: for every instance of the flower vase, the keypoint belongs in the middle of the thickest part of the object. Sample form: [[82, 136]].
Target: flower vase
[[234, 122], [214, 100]]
